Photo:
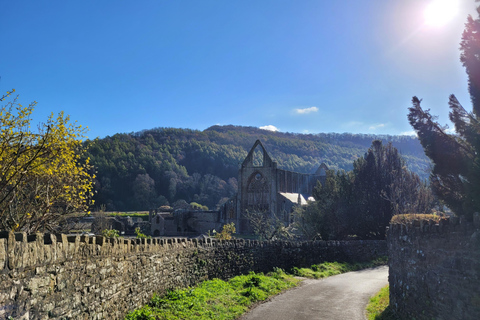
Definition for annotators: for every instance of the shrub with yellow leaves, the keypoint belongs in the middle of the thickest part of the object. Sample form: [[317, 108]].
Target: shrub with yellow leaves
[[43, 175], [227, 232]]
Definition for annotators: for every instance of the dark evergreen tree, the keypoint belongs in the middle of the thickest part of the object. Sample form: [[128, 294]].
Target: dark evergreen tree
[[455, 177], [361, 203], [383, 187], [374, 175], [333, 203]]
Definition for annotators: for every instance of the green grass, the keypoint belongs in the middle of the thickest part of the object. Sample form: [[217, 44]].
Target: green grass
[[133, 214], [378, 308], [218, 299], [327, 269], [215, 299]]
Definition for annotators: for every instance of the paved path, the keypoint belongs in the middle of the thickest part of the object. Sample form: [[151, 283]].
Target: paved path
[[342, 297]]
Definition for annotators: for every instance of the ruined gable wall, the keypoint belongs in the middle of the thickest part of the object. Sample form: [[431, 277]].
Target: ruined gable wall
[[434, 270], [46, 276], [294, 182], [246, 175]]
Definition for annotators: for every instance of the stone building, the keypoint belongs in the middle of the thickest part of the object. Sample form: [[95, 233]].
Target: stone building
[[262, 187], [188, 223]]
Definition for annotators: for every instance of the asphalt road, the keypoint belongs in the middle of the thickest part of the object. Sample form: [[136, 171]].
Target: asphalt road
[[341, 297]]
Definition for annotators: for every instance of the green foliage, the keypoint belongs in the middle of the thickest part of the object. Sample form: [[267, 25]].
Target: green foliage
[[378, 307], [110, 233], [327, 269], [144, 313], [144, 170], [278, 273], [227, 232], [43, 174], [214, 299], [360, 203], [143, 216], [197, 206], [141, 235], [384, 187], [267, 226], [455, 176], [406, 218]]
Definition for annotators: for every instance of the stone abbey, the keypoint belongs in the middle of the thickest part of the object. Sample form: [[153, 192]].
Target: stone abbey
[[262, 188]]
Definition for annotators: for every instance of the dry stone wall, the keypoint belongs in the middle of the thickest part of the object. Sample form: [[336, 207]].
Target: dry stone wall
[[47, 276], [434, 269]]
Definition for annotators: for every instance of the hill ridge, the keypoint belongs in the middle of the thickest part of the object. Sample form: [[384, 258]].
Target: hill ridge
[[140, 170]]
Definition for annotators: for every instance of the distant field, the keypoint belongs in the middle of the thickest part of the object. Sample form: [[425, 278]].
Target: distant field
[[128, 214], [133, 214]]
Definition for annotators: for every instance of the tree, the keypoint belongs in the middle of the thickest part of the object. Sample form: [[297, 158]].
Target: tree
[[361, 202], [144, 192], [42, 174], [383, 187], [455, 176], [332, 203], [309, 221], [267, 226]]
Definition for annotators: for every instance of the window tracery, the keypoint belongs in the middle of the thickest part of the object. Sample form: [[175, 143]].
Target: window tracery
[[258, 193]]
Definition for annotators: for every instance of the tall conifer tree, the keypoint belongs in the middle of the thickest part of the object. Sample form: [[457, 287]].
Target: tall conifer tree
[[455, 176]]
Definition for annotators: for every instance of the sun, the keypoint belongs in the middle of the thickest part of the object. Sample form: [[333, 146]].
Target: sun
[[440, 12]]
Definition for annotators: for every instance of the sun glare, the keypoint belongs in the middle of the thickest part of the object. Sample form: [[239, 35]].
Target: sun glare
[[440, 12]]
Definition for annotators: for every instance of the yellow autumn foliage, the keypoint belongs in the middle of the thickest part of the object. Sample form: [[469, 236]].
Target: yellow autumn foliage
[[227, 232], [43, 175]]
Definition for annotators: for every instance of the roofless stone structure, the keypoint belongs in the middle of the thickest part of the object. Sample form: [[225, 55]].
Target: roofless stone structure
[[262, 187]]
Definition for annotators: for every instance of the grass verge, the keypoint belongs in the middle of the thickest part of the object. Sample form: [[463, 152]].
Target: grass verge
[[328, 269], [378, 308], [218, 299], [142, 214], [215, 299]]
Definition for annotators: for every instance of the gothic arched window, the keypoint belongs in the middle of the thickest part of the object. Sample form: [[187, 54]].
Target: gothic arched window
[[258, 193]]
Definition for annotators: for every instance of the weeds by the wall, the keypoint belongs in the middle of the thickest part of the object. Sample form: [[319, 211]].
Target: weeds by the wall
[[378, 307], [327, 269]]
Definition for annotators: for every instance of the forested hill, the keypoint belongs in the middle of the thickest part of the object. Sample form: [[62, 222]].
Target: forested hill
[[142, 170]]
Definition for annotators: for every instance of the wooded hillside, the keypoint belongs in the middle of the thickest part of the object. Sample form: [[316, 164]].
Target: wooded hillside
[[143, 170]]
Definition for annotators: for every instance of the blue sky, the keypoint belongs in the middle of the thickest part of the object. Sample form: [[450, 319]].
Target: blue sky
[[298, 66]]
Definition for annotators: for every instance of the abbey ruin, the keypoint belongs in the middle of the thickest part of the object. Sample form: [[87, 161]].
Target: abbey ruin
[[262, 187]]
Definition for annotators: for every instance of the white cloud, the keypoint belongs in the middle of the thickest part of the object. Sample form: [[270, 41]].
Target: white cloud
[[377, 126], [269, 128], [408, 133], [306, 110], [413, 133]]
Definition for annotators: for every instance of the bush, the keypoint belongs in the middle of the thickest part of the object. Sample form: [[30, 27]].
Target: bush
[[141, 235], [197, 206], [144, 313], [406, 218], [227, 231], [110, 233]]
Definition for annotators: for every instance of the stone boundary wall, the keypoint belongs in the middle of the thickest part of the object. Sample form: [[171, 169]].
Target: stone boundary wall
[[47, 276], [434, 269]]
